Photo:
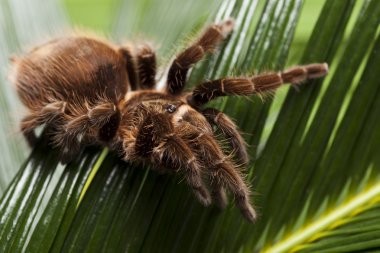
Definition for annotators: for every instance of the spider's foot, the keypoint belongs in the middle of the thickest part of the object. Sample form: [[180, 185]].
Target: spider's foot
[[203, 196], [69, 154], [66, 158], [249, 213], [226, 26], [317, 70], [221, 199]]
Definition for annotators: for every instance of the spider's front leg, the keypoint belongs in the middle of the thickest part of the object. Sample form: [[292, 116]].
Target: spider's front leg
[[212, 36], [221, 170], [230, 132], [156, 141], [260, 84]]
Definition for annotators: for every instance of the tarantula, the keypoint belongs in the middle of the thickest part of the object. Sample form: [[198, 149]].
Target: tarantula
[[87, 91]]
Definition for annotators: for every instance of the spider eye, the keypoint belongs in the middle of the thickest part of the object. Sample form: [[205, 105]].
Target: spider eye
[[170, 108]]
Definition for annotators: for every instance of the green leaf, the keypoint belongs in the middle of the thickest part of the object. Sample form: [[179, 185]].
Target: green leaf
[[315, 167], [22, 25]]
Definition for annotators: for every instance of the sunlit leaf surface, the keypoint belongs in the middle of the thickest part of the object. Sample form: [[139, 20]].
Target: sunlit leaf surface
[[22, 24]]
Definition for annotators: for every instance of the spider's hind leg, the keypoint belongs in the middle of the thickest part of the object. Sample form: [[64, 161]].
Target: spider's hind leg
[[146, 67], [131, 66], [212, 36], [140, 65]]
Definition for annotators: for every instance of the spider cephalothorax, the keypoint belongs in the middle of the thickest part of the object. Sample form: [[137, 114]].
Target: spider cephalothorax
[[90, 92]]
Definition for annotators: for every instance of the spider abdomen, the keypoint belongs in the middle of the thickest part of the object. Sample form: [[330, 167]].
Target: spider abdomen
[[73, 69], [73, 85]]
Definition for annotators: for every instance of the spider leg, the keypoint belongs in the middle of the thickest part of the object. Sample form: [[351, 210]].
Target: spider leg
[[141, 68], [259, 84], [146, 67], [219, 194], [156, 140], [219, 167], [174, 153], [229, 130], [224, 173], [27, 126], [131, 66], [105, 117], [212, 36], [36, 118]]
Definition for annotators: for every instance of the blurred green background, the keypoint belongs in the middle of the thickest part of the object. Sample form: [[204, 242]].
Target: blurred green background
[[99, 15]]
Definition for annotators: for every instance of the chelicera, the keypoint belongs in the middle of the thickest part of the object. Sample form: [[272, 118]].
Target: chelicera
[[90, 92]]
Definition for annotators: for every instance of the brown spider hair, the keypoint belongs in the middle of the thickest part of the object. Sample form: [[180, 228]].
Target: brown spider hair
[[87, 92]]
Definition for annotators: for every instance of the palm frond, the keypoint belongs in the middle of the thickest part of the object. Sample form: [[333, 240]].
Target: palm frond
[[315, 166], [23, 23]]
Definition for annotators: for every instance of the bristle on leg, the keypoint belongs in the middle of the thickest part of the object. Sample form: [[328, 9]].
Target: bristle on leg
[[299, 74], [261, 84]]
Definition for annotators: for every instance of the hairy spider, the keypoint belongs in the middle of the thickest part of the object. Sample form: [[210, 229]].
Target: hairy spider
[[87, 91]]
